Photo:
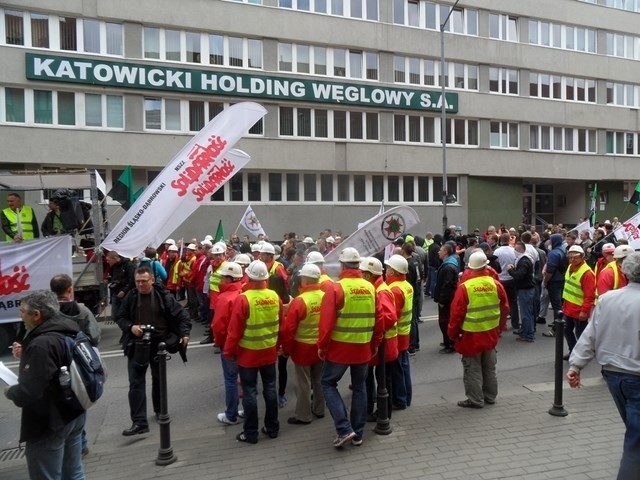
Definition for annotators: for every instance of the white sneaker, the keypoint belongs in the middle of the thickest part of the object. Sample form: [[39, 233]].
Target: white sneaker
[[240, 413], [222, 418]]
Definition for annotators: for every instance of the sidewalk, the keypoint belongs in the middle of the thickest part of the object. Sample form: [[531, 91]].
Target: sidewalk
[[515, 438]]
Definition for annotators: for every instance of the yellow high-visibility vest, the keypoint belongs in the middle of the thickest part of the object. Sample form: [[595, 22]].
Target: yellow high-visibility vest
[[215, 279], [483, 309], [572, 287], [308, 328], [261, 330], [404, 322], [355, 321], [26, 219]]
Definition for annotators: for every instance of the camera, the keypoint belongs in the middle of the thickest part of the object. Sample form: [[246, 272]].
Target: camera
[[143, 345], [147, 330]]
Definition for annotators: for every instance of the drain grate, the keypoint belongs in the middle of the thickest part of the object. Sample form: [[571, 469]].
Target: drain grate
[[11, 454]]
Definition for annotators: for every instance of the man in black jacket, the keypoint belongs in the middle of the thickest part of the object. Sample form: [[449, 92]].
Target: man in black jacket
[[434, 262], [149, 305], [522, 273], [120, 281], [446, 284], [51, 429]]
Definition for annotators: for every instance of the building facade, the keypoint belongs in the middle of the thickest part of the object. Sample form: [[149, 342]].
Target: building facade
[[541, 103]]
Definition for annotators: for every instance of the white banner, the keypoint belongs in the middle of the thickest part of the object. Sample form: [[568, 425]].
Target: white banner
[[192, 176], [630, 230], [251, 222], [586, 225], [29, 266], [375, 234]]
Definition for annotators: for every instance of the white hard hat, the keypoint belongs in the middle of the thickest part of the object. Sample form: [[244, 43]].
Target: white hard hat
[[218, 249], [349, 255], [308, 240], [172, 248], [257, 270], [231, 269], [576, 249], [478, 260], [255, 247], [398, 263], [608, 248], [208, 237], [330, 239], [192, 246], [372, 265], [170, 241], [266, 247], [206, 243], [310, 270], [242, 259], [315, 257], [622, 251]]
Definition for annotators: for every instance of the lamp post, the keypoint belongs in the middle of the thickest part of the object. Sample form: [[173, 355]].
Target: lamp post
[[443, 121]]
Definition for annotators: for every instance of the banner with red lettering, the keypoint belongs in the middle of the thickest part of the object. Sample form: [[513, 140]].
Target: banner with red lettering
[[191, 177], [29, 266], [375, 234], [630, 230]]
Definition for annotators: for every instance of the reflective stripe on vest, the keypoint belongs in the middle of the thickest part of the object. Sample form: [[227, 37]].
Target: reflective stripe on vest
[[572, 287], [261, 330], [393, 331], [483, 309], [308, 331], [354, 322], [174, 276], [404, 322], [613, 265], [324, 278], [215, 279], [26, 219]]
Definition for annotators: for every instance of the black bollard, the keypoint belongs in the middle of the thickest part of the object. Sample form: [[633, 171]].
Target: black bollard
[[165, 452], [558, 409], [383, 426]]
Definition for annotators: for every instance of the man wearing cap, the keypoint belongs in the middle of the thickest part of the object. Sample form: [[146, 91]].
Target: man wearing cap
[[385, 314], [612, 277], [478, 316], [578, 296], [299, 340], [252, 340], [201, 266], [230, 288], [608, 338], [349, 336], [403, 292], [605, 259]]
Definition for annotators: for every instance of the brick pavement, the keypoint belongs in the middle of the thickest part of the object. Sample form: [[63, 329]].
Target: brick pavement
[[516, 438]]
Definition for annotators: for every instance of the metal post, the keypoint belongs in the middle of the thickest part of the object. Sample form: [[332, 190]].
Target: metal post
[[443, 121], [165, 452], [558, 409], [383, 426]]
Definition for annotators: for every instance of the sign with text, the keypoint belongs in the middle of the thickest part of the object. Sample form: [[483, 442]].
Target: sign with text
[[29, 266], [91, 71], [194, 174]]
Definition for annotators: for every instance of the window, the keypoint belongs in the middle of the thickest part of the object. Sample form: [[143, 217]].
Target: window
[[344, 188], [504, 135], [293, 187], [544, 85], [152, 113], [91, 36], [359, 188], [565, 139], [275, 187], [254, 186], [236, 186], [309, 180], [431, 15], [68, 34], [92, 110], [503, 27], [326, 187], [14, 27], [172, 45], [623, 143], [151, 41], [193, 47], [43, 106], [196, 115], [562, 36], [14, 105], [621, 94], [66, 108], [418, 71], [39, 30], [216, 49]]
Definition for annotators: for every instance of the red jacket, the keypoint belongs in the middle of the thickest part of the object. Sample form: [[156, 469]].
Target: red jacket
[[606, 279], [588, 285], [473, 343], [467, 273], [386, 314], [342, 352], [398, 300], [239, 313], [301, 353], [220, 322], [200, 267]]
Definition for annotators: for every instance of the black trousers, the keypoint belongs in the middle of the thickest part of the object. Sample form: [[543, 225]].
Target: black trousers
[[138, 387]]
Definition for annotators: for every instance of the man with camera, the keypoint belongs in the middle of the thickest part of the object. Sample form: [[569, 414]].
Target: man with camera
[[149, 315]]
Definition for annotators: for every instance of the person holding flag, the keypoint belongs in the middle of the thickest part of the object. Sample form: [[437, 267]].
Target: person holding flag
[[251, 223]]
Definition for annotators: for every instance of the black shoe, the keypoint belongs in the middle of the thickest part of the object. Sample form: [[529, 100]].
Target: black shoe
[[468, 404], [446, 350], [268, 433], [135, 430], [411, 351], [241, 437], [517, 331], [541, 320], [85, 451], [398, 407], [318, 416], [206, 340]]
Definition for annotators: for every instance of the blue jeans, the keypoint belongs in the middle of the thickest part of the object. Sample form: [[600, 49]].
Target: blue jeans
[[555, 297], [230, 374], [249, 379], [331, 375], [58, 455], [625, 390], [401, 380], [526, 304], [431, 280]]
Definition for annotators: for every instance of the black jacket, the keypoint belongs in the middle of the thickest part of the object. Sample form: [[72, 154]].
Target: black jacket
[[121, 277], [446, 282], [38, 391], [177, 318], [523, 273]]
